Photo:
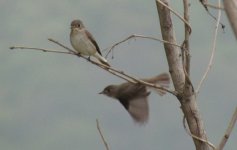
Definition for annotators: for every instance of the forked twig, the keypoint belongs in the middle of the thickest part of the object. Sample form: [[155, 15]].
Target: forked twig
[[101, 135], [137, 36], [178, 15]]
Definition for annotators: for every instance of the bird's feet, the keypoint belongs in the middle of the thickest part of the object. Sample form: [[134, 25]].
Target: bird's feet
[[78, 54]]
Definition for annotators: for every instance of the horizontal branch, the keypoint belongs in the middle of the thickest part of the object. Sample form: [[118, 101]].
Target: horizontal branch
[[40, 49]]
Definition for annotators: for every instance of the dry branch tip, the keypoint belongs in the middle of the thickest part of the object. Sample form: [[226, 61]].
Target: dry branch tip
[[12, 47]]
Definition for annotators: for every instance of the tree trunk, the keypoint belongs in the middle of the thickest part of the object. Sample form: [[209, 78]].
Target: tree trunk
[[182, 84]]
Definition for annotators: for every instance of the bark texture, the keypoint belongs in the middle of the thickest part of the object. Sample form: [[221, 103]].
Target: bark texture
[[182, 84], [231, 11]]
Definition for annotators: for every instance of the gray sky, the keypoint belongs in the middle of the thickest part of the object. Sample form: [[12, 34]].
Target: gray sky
[[50, 101]]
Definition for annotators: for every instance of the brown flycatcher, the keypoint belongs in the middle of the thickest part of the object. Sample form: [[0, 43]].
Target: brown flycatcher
[[83, 41], [134, 96]]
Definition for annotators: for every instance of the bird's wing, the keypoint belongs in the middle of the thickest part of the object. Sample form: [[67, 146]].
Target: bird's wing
[[90, 36], [134, 99], [138, 108]]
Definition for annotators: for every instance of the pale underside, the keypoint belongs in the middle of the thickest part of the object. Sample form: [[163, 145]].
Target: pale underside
[[82, 44]]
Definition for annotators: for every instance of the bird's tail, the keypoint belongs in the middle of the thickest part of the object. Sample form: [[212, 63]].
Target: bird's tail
[[102, 59], [162, 80]]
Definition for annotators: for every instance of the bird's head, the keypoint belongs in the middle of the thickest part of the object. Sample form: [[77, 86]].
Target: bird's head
[[77, 24], [110, 91]]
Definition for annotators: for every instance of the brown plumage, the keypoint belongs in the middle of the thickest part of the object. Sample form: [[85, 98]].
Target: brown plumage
[[134, 96], [83, 41]]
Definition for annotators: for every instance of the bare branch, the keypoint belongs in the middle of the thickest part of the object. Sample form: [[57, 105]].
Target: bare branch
[[186, 58], [40, 49], [101, 135], [231, 11], [118, 73], [214, 6], [228, 130], [175, 65], [206, 5], [56, 42], [73, 53], [182, 84], [174, 12], [136, 36], [111, 70], [213, 51], [185, 46], [196, 137]]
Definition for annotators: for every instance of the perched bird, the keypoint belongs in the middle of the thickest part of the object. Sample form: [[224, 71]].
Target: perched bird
[[83, 41], [134, 96]]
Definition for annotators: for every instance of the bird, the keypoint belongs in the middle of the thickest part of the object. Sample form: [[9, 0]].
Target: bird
[[134, 96], [84, 43]]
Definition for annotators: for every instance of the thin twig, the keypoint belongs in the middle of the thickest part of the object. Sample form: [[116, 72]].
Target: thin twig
[[93, 62], [185, 47], [101, 135], [136, 36], [214, 6], [196, 137], [178, 15], [212, 53], [111, 70], [56, 42], [74, 53], [228, 130], [40, 49], [206, 5]]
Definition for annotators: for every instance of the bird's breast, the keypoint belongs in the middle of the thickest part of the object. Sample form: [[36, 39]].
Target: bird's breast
[[82, 44]]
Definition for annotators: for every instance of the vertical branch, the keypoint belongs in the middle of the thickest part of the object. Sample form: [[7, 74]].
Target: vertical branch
[[231, 11], [101, 135], [186, 40], [183, 86], [173, 54], [228, 130]]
